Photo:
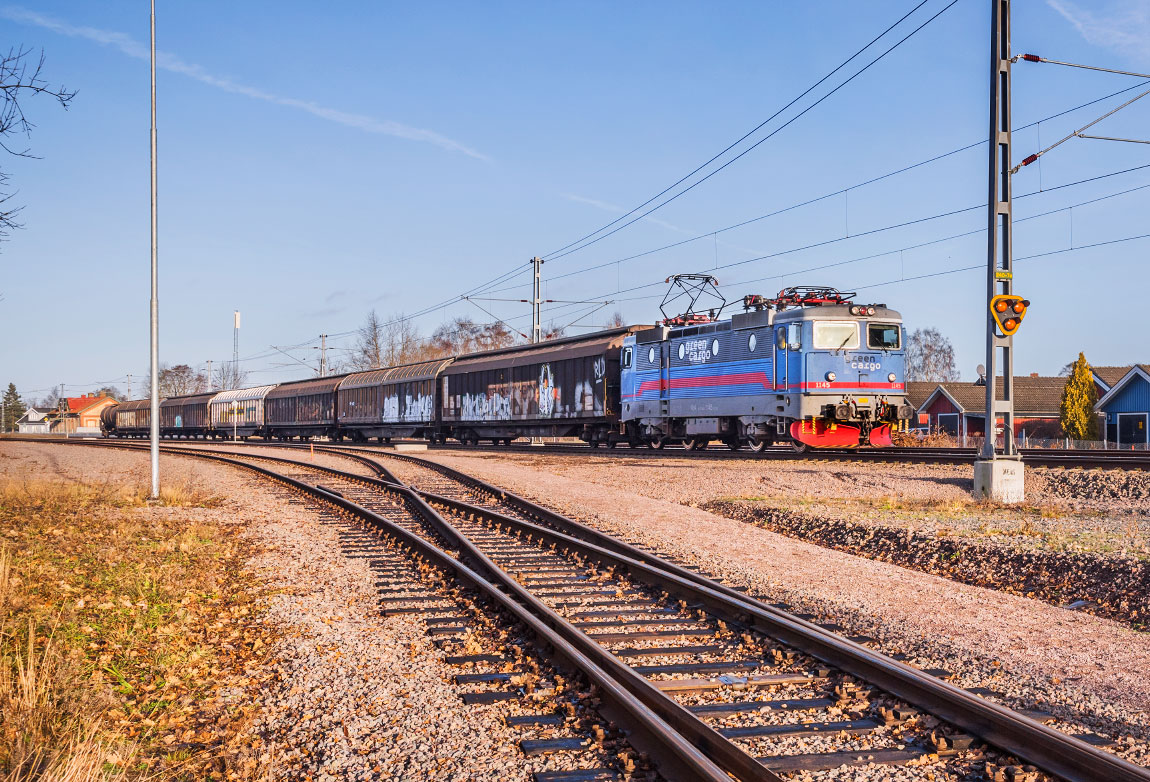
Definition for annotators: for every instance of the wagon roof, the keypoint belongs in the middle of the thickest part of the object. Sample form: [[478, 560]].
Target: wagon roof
[[317, 385], [571, 347], [135, 404], [188, 399], [242, 394], [423, 370]]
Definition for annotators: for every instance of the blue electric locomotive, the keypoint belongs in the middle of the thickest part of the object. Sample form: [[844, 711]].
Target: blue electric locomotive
[[809, 366]]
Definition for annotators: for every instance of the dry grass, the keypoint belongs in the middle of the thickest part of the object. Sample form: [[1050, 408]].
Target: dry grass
[[114, 615]]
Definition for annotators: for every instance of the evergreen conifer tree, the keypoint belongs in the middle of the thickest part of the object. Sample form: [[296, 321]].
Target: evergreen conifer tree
[[1079, 420], [14, 407]]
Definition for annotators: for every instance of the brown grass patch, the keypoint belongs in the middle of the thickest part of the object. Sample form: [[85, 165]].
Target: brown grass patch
[[119, 620]]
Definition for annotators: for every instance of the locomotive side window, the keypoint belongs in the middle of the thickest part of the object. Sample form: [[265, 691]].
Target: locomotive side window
[[883, 336], [651, 356], [781, 338], [752, 343], [836, 335], [627, 356], [794, 336]]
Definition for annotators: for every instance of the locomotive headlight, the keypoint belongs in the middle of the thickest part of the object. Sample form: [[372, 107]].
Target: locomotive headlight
[[831, 377], [892, 377]]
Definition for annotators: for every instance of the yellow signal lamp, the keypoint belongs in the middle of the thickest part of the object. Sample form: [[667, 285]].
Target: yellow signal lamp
[[1008, 311]]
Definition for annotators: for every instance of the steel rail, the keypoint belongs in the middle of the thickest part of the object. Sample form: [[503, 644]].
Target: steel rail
[[1051, 750], [1045, 747], [678, 755]]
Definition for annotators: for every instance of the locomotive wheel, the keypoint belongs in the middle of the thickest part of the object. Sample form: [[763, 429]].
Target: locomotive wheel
[[758, 444], [799, 447]]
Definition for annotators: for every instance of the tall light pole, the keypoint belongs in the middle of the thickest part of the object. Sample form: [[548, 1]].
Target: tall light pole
[[155, 314]]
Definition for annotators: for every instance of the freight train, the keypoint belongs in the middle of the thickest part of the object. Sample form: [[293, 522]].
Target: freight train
[[809, 367]]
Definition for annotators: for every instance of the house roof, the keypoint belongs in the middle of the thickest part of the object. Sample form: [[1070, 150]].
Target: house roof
[[918, 391], [77, 404], [1110, 375], [1138, 370], [1033, 396]]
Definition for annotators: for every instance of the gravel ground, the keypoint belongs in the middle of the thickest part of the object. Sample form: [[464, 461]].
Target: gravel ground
[[1088, 671], [349, 694], [1100, 511]]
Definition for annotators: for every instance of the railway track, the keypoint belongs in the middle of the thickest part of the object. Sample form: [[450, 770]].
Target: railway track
[[1034, 457], [698, 675]]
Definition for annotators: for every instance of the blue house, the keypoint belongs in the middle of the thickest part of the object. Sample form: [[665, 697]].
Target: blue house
[[1126, 408]]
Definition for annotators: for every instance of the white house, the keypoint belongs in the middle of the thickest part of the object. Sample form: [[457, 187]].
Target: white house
[[34, 421]]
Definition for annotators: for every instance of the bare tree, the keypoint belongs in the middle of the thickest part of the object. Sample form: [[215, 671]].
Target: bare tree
[[615, 321], [551, 331], [113, 392], [463, 335], [181, 379], [19, 78], [228, 376], [930, 357], [387, 343]]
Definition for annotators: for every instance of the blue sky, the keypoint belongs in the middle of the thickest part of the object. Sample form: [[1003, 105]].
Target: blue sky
[[319, 162]]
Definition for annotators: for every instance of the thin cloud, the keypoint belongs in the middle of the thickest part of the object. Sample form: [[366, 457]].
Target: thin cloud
[[1123, 26], [170, 62]]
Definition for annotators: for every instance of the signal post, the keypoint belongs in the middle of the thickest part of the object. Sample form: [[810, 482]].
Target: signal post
[[999, 476]]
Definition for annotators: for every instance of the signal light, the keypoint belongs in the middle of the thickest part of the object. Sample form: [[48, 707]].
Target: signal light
[[1015, 306]]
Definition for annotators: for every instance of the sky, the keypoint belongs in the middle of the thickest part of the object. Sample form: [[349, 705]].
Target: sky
[[316, 163]]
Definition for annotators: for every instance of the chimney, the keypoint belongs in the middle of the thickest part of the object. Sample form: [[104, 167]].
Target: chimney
[[1034, 374]]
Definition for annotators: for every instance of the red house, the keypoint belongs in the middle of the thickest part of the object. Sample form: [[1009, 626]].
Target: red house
[[959, 409]]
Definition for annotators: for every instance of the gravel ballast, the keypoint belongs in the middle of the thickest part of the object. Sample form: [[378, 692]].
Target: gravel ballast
[[1087, 670], [347, 693]]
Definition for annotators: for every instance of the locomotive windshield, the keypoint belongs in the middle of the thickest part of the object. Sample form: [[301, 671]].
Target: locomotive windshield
[[882, 336], [836, 335]]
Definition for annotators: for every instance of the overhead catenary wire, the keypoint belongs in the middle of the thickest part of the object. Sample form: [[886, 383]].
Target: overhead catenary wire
[[770, 135], [830, 194], [744, 137], [1086, 202]]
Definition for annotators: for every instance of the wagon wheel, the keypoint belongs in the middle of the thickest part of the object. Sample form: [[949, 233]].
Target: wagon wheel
[[733, 443], [697, 444], [593, 443], [612, 443], [657, 444]]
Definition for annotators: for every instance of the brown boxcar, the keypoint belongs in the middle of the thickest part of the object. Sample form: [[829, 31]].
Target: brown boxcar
[[386, 403], [303, 408], [561, 388], [133, 419], [185, 416]]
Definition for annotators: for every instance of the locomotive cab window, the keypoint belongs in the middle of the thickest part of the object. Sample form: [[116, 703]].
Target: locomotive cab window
[[794, 336], [883, 336], [627, 355], [781, 338], [836, 335]]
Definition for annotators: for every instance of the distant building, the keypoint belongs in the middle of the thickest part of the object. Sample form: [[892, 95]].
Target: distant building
[[959, 409], [34, 421], [80, 414], [1126, 407]]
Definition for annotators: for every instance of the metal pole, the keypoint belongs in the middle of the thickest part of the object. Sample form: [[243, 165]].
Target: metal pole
[[323, 355], [209, 374], [999, 265], [536, 300], [155, 340]]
